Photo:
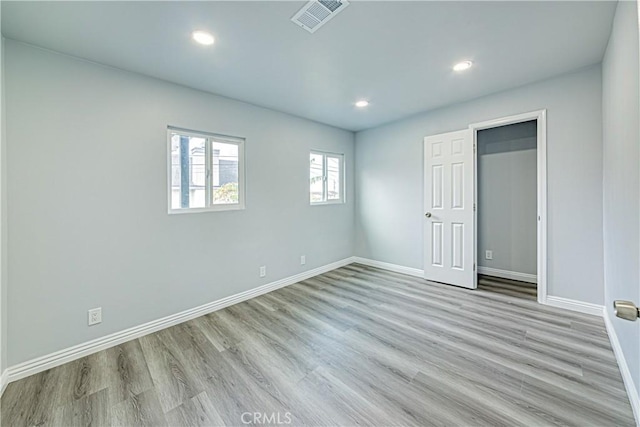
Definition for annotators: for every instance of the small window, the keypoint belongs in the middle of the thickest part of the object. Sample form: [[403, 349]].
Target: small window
[[326, 178], [206, 172]]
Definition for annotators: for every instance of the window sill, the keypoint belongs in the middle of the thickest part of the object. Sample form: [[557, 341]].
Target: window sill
[[336, 202], [219, 208]]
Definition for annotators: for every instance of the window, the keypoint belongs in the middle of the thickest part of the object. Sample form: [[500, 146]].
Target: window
[[206, 172], [326, 178]]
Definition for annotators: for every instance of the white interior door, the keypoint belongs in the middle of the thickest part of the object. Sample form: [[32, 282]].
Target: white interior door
[[449, 217]]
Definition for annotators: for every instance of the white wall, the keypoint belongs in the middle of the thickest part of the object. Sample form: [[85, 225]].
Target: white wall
[[88, 205], [389, 207], [621, 134], [507, 197]]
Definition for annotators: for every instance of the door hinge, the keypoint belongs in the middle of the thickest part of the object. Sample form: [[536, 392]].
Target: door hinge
[[474, 266], [474, 207]]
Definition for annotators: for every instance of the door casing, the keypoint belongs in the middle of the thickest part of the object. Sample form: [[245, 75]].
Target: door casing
[[541, 119]]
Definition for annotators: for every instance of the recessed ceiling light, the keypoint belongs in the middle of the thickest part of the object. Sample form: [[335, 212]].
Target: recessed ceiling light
[[461, 66], [203, 37], [361, 104]]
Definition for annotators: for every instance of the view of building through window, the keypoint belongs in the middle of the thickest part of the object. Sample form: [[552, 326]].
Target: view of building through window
[[325, 177], [204, 172], [317, 177]]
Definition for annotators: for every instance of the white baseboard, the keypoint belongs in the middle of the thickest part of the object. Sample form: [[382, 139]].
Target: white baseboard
[[4, 381], [391, 267], [632, 389], [58, 358], [570, 304], [505, 274]]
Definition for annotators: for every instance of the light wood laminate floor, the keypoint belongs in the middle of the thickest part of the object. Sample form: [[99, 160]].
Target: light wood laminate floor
[[509, 287], [355, 346]]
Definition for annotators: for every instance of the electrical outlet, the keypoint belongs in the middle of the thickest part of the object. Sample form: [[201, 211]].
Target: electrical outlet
[[263, 271], [488, 254], [95, 316], [303, 260]]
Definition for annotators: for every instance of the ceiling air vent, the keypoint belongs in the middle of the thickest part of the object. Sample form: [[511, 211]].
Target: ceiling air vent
[[316, 13]]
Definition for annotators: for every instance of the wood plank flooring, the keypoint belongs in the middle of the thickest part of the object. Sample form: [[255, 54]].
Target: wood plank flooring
[[513, 288], [355, 346]]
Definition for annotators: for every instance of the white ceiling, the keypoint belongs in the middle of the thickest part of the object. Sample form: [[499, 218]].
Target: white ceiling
[[396, 54]]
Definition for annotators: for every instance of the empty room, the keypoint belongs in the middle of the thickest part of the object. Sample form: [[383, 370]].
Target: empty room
[[323, 213]]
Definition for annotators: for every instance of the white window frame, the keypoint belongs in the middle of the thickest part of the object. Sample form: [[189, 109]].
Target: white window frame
[[342, 198], [209, 138]]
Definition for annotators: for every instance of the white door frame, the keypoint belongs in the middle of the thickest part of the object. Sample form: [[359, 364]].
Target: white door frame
[[541, 117]]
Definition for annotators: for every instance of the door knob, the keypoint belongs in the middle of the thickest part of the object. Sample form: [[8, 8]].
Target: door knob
[[626, 309], [428, 214]]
